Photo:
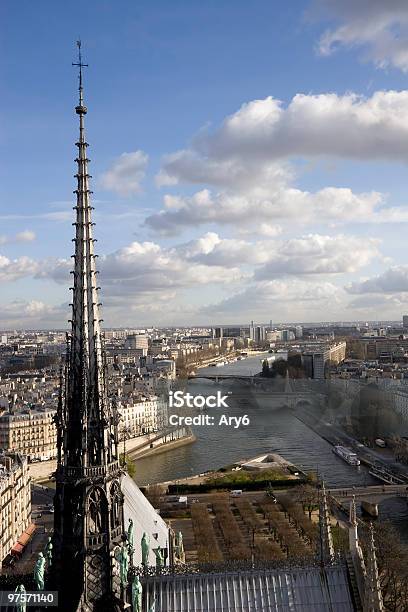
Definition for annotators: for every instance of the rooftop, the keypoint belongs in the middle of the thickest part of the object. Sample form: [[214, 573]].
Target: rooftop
[[280, 590]]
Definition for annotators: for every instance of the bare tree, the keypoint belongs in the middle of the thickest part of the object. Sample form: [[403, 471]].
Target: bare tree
[[125, 433], [306, 495]]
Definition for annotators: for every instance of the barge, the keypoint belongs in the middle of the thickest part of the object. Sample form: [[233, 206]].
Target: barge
[[346, 454]]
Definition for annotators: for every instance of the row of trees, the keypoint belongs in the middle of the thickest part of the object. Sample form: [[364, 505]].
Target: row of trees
[[392, 556], [185, 364], [295, 512], [236, 547], [207, 546], [283, 531]]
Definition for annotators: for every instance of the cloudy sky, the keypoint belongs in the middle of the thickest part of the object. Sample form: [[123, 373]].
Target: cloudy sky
[[249, 159]]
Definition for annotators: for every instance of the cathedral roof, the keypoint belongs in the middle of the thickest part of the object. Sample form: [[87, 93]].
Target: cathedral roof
[[277, 590], [145, 520]]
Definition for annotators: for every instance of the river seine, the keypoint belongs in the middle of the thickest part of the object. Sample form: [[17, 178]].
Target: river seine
[[272, 428]]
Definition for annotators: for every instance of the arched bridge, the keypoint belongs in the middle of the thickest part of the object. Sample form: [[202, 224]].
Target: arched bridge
[[287, 397]]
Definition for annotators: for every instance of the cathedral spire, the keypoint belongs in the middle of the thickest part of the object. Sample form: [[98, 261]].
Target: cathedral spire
[[88, 518], [326, 540], [86, 364]]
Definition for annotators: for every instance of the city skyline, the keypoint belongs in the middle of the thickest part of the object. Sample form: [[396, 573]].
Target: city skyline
[[279, 193]]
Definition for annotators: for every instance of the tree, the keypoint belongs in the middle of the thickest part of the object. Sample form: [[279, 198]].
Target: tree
[[280, 367], [392, 558], [124, 434], [265, 368], [153, 494], [307, 495]]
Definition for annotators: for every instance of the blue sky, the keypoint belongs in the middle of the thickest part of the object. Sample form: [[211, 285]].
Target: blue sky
[[290, 211]]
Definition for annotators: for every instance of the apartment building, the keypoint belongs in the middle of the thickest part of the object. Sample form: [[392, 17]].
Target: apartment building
[[141, 415], [316, 359], [31, 432], [15, 503]]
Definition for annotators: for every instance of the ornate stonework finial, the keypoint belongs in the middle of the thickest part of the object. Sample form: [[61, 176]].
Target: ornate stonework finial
[[326, 540], [353, 511], [373, 601]]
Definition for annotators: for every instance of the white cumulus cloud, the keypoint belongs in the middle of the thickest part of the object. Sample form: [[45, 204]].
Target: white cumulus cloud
[[283, 299], [126, 174], [320, 255], [145, 267], [13, 269], [25, 236], [32, 314], [244, 167], [379, 27], [393, 280]]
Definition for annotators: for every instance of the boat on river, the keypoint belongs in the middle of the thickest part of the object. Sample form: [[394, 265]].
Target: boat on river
[[346, 454]]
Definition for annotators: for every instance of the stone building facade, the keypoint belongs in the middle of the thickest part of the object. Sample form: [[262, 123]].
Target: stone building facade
[[15, 500]]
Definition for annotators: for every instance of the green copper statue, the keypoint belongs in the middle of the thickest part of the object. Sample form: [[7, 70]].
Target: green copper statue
[[21, 606], [159, 558], [48, 552], [136, 595], [39, 570], [180, 547], [124, 564], [145, 549]]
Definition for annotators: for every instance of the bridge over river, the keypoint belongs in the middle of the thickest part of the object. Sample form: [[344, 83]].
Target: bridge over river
[[372, 493], [288, 396]]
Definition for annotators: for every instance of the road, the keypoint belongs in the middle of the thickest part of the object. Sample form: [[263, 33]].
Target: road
[[40, 498], [335, 435]]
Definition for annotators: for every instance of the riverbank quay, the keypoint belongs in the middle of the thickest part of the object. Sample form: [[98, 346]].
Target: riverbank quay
[[162, 443], [393, 472], [231, 358], [135, 448]]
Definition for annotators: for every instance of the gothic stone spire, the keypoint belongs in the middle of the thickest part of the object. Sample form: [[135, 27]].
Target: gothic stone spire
[[354, 543], [373, 596], [326, 540], [88, 519], [86, 366], [356, 552]]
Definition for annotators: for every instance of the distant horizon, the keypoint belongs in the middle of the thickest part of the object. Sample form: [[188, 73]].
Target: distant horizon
[[278, 324]]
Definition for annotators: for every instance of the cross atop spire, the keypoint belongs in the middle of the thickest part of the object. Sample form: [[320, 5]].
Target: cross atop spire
[[80, 109]]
